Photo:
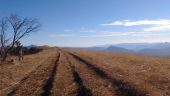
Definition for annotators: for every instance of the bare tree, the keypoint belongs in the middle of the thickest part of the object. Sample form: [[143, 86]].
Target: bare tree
[[3, 37], [14, 28]]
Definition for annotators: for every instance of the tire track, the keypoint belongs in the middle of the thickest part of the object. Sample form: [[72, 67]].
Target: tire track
[[82, 89], [122, 88], [16, 87], [64, 84], [33, 85], [97, 85], [49, 84]]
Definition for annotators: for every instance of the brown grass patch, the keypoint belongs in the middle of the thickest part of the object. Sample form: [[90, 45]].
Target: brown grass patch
[[12, 74], [148, 73]]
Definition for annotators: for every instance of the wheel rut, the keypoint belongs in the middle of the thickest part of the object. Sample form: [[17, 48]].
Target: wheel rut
[[82, 89], [64, 84], [122, 88], [98, 86], [33, 85], [69, 74], [49, 84]]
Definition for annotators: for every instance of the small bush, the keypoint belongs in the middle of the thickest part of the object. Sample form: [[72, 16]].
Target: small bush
[[26, 50], [34, 50]]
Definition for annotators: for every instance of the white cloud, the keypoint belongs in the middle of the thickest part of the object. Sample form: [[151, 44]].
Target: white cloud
[[82, 30], [68, 30], [87, 31], [153, 25], [60, 35], [103, 34], [130, 34], [139, 22], [158, 28]]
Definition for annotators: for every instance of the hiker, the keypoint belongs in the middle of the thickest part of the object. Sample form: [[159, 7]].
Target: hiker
[[0, 52], [20, 52]]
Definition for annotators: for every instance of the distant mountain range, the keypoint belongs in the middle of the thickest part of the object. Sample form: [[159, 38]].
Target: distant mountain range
[[155, 49], [30, 46], [141, 46], [117, 49]]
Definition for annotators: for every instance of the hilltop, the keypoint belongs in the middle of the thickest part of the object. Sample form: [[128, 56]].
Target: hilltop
[[86, 73]]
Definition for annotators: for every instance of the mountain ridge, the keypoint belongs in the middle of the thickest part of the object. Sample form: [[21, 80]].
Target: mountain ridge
[[155, 49]]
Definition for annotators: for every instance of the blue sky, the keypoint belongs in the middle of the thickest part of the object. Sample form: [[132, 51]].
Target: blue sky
[[93, 22]]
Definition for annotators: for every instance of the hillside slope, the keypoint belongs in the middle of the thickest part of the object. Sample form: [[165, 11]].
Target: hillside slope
[[68, 72]]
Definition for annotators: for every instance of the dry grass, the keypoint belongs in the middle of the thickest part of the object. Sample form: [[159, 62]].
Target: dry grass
[[151, 74], [87, 73], [97, 85], [64, 84], [12, 73]]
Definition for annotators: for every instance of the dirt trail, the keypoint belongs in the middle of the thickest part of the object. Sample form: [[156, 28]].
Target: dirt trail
[[82, 89], [64, 84], [97, 85], [12, 74], [49, 83], [69, 74], [41, 77], [121, 88]]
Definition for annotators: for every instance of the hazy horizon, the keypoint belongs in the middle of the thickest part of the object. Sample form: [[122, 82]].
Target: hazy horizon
[[100, 44], [88, 23]]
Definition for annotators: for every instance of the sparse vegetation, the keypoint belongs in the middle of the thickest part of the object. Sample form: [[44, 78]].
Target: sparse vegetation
[[34, 50], [86, 48], [87, 73], [147, 73], [12, 29]]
